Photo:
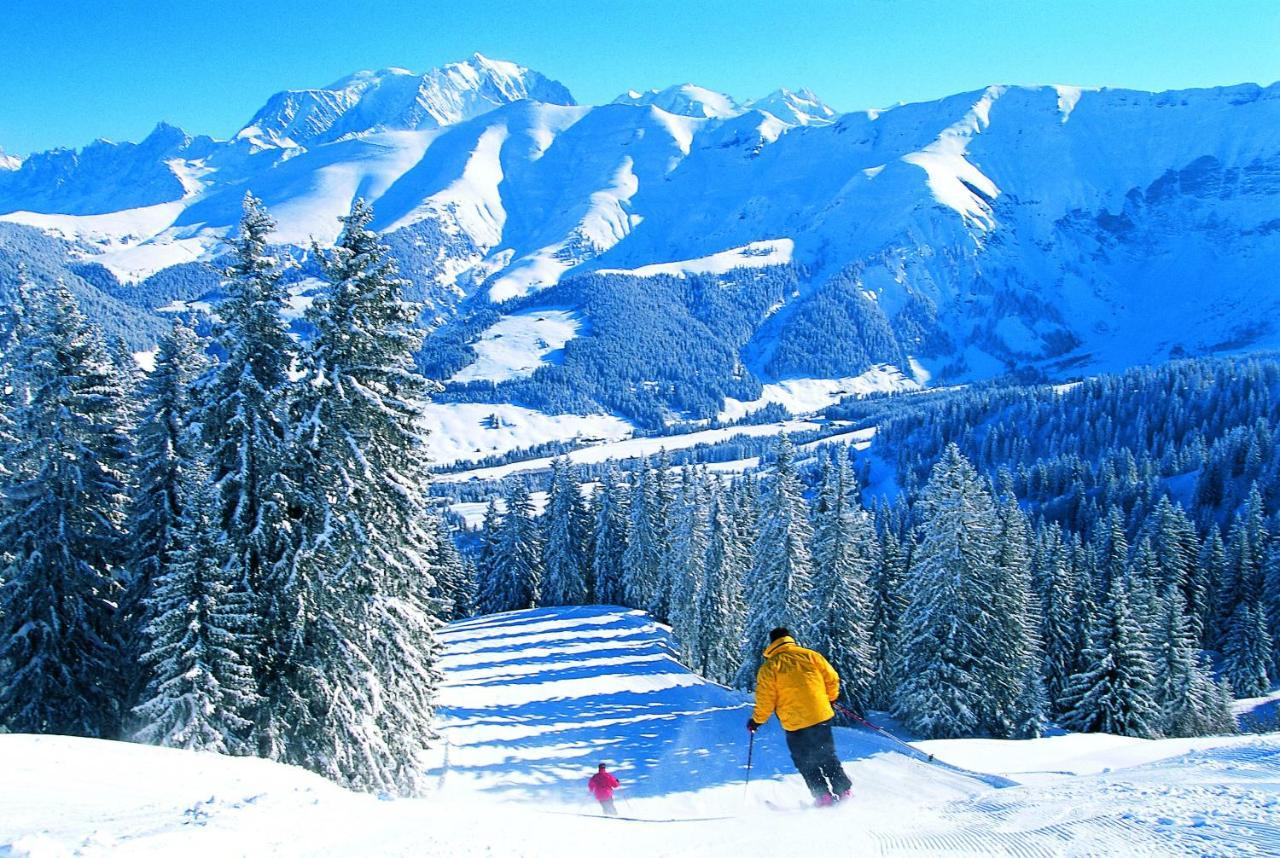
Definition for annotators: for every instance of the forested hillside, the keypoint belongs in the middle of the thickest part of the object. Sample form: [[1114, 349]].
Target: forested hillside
[[1116, 537]]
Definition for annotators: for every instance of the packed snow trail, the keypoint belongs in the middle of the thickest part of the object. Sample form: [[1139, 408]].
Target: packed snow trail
[[582, 685], [534, 700]]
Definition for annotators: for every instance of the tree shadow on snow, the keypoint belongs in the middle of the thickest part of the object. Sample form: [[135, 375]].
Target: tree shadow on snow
[[683, 734]]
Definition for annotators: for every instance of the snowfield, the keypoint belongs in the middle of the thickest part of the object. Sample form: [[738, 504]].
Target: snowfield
[[757, 254], [518, 344], [617, 446], [534, 699], [461, 431], [811, 395]]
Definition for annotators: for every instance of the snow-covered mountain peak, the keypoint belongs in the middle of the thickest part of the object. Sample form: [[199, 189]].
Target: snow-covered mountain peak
[[795, 107], [9, 162], [686, 99], [364, 79], [396, 99], [166, 136]]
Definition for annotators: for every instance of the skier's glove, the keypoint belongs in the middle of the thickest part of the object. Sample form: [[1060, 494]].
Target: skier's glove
[[752, 726]]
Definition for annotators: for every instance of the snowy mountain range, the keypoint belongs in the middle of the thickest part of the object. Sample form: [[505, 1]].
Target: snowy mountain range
[[1051, 230]]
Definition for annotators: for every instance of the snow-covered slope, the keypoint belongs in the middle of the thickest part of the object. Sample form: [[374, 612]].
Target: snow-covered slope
[[533, 700], [1052, 228]]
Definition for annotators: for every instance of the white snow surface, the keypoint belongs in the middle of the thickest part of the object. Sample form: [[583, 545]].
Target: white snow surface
[[461, 431], [757, 254], [811, 395], [629, 448], [800, 107], [516, 345], [684, 100], [534, 699], [146, 360], [952, 177], [132, 244]]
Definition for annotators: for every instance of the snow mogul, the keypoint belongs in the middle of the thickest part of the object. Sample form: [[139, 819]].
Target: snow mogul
[[800, 686]]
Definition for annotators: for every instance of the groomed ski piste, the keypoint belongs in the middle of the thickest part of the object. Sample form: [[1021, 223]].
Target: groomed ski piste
[[535, 699]]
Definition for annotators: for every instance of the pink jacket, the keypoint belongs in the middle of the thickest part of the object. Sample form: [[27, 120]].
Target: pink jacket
[[602, 785]]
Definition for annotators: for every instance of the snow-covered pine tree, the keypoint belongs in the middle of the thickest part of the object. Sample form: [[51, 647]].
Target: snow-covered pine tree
[[1212, 561], [845, 550], [778, 584], [1018, 699], [686, 554], [664, 519], [362, 569], [642, 577], [15, 317], [1113, 694], [564, 553], [947, 666], [165, 447], [1246, 650], [490, 597], [1111, 547], [517, 563], [1057, 587], [609, 543], [1271, 601], [63, 493], [718, 611], [15, 338], [1177, 545], [1242, 574], [1145, 576], [455, 579], [127, 370], [1185, 691], [200, 692], [15, 341], [1084, 561], [888, 601], [244, 425]]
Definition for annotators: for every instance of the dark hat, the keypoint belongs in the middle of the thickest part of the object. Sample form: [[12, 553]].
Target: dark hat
[[777, 633], [602, 765]]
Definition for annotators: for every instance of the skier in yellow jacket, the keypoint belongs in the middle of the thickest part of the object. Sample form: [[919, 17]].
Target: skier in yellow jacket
[[800, 686]]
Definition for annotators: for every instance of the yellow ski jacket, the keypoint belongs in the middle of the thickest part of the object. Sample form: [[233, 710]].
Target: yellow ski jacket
[[797, 683]]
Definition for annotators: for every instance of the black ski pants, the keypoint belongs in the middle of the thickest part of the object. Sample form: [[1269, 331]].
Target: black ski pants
[[813, 750]]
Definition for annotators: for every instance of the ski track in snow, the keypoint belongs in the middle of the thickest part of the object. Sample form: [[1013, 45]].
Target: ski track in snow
[[534, 699]]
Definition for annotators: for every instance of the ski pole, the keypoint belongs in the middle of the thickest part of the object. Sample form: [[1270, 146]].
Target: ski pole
[[850, 714], [751, 747]]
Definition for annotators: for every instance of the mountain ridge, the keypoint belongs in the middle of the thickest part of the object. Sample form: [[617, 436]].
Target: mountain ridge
[[1050, 230]]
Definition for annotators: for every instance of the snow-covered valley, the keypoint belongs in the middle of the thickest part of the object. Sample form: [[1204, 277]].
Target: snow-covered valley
[[533, 700]]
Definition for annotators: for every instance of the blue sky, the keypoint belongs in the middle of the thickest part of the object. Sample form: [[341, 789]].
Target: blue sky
[[71, 72]]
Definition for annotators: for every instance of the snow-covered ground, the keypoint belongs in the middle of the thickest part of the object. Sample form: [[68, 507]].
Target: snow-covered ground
[[133, 243], [811, 395], [535, 699], [516, 345], [757, 254], [461, 431], [618, 447]]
